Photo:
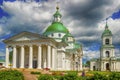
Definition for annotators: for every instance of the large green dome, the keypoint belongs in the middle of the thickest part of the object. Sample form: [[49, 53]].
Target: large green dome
[[56, 27]]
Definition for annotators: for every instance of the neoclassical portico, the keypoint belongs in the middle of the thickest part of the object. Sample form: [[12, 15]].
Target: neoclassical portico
[[31, 54], [36, 59]]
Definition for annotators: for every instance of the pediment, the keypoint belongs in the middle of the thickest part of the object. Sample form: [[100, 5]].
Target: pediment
[[23, 36]]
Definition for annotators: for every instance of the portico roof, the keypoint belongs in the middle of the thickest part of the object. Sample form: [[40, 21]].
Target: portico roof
[[29, 37]]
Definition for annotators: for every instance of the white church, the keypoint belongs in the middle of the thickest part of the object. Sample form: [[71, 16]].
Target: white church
[[107, 61], [55, 49]]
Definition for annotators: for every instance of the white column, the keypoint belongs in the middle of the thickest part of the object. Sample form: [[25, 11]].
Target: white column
[[53, 58], [103, 66], [14, 56], [49, 57], [39, 56], [80, 63], [114, 66], [22, 57], [7, 57], [63, 61], [30, 56]]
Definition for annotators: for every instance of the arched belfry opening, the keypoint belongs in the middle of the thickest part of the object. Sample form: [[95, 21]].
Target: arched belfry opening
[[107, 41], [107, 54]]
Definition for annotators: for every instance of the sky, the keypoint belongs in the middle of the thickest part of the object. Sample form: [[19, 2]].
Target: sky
[[85, 19]]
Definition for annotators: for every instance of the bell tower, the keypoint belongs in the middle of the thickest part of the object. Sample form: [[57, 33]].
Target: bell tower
[[107, 48], [107, 51]]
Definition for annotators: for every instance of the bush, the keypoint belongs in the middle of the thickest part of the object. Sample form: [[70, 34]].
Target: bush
[[114, 76], [35, 72], [11, 75], [45, 77], [98, 76], [70, 76]]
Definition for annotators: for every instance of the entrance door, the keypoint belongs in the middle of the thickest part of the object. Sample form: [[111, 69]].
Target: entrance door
[[93, 68], [107, 66], [35, 64]]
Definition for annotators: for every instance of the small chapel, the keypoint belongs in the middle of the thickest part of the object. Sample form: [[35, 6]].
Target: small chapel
[[107, 61], [55, 49]]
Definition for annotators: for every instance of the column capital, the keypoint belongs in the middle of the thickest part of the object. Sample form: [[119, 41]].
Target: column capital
[[38, 45], [13, 45], [30, 45], [21, 45]]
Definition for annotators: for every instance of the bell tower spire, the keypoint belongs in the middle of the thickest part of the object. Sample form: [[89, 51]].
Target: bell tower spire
[[57, 15], [106, 26]]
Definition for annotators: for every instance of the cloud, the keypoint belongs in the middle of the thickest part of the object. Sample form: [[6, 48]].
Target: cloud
[[83, 18], [91, 54]]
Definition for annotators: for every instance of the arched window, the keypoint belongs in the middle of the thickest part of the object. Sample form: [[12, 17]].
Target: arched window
[[59, 35], [52, 34], [107, 54], [107, 41]]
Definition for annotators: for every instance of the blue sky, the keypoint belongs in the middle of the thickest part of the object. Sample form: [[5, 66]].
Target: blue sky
[[85, 20]]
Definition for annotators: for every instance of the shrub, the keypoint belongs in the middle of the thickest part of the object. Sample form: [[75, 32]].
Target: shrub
[[45, 77], [114, 76], [98, 76], [70, 76], [11, 75], [35, 72]]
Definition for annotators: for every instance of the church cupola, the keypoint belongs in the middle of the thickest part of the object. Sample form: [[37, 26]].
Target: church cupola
[[57, 15], [107, 36], [56, 30], [106, 32]]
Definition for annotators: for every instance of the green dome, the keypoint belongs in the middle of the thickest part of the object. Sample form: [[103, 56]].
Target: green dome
[[107, 32], [76, 45], [56, 27], [66, 36]]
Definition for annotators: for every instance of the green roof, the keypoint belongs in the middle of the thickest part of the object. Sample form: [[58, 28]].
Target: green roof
[[57, 13], [2, 60], [76, 46], [106, 32], [64, 39], [56, 27], [108, 46]]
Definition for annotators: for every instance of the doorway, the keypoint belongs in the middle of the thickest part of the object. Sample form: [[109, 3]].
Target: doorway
[[93, 68], [34, 63], [107, 66]]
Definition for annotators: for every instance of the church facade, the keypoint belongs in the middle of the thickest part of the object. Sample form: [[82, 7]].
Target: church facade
[[107, 61], [55, 49]]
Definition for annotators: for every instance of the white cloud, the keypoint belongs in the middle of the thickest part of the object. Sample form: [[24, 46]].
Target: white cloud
[[36, 17], [91, 54]]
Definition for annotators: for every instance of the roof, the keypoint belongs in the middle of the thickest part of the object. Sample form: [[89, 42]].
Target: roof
[[106, 32], [108, 46], [57, 13], [94, 59], [56, 27], [28, 37], [2, 60], [64, 39], [75, 48]]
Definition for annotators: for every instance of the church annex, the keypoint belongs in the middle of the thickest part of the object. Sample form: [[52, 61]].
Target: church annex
[[55, 49], [107, 61]]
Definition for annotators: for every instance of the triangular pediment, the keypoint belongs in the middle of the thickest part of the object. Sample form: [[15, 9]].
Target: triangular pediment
[[26, 37], [23, 36]]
